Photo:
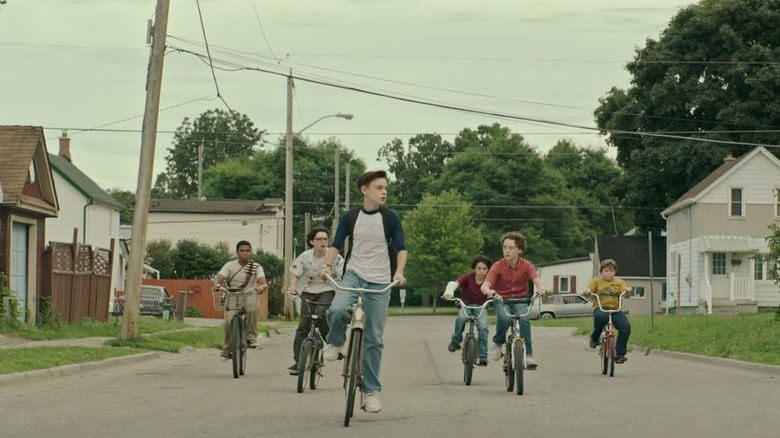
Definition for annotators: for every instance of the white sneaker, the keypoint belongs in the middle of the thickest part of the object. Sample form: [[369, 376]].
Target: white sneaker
[[331, 352], [530, 363], [495, 351], [371, 403]]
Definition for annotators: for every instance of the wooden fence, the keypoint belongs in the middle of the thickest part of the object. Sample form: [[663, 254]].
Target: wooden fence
[[78, 280]]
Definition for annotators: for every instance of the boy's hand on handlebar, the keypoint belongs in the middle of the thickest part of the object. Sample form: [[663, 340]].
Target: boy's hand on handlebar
[[399, 277], [447, 297], [541, 292]]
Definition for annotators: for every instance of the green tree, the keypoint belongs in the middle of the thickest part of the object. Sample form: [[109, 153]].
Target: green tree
[[158, 256], [196, 260], [127, 199], [222, 134], [512, 189], [442, 239], [712, 74], [416, 166]]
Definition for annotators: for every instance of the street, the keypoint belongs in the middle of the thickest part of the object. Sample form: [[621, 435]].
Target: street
[[194, 395]]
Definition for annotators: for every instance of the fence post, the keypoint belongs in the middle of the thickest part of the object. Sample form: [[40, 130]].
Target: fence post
[[181, 307], [8, 302]]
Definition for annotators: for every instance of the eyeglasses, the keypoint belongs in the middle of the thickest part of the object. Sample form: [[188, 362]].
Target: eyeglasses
[[321, 239]]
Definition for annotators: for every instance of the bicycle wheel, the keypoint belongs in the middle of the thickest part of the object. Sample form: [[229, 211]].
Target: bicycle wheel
[[353, 373], [518, 354], [304, 363], [612, 356], [469, 358], [604, 355], [235, 343], [242, 348], [316, 366], [509, 371]]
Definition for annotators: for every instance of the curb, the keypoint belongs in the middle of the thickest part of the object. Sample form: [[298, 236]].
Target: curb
[[733, 363], [73, 369]]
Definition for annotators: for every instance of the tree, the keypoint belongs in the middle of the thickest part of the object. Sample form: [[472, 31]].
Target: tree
[[511, 188], [772, 258], [127, 199], [416, 166], [713, 73], [442, 239], [158, 256], [222, 134]]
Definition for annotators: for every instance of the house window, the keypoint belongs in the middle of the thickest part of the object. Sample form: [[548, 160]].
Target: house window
[[673, 262], [759, 270], [638, 292], [736, 203], [564, 284], [777, 202], [719, 263]]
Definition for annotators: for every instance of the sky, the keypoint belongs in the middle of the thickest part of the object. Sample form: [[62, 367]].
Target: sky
[[81, 64]]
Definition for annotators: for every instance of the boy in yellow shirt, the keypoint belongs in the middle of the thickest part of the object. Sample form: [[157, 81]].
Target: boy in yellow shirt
[[608, 287]]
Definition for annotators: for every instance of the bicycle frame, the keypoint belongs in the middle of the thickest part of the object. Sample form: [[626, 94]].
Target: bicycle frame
[[606, 349], [513, 365], [472, 318], [353, 374], [226, 300]]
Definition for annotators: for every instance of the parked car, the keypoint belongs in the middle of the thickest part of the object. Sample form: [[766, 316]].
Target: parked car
[[153, 299], [560, 306]]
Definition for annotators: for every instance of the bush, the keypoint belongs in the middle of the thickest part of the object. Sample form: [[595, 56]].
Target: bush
[[5, 291], [44, 313], [193, 312]]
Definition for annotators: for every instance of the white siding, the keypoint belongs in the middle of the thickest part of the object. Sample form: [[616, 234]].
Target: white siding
[[263, 232], [581, 270], [691, 263], [754, 177]]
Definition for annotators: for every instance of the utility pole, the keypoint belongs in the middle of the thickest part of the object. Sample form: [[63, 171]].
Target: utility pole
[[288, 201], [145, 169], [336, 191], [346, 200], [200, 170]]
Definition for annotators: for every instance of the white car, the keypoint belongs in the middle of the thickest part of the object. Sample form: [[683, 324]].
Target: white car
[[560, 306]]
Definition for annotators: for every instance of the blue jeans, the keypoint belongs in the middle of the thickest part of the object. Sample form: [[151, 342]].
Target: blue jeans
[[620, 321], [375, 306], [482, 328], [504, 321]]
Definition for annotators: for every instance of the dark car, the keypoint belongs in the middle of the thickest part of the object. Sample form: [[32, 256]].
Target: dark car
[[153, 299]]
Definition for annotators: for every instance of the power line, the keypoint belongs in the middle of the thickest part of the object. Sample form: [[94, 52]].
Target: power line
[[208, 52], [259, 23]]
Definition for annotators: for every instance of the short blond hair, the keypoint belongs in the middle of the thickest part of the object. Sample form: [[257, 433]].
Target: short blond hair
[[607, 263]]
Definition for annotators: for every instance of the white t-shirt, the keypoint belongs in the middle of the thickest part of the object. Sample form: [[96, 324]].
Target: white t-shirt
[[307, 267], [237, 275]]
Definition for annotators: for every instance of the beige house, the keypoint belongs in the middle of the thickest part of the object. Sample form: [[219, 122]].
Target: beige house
[[259, 222], [712, 232]]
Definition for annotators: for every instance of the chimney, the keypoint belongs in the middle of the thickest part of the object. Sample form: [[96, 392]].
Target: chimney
[[65, 146], [728, 158]]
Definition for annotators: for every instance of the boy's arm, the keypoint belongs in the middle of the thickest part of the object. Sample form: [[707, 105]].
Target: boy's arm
[[261, 285], [539, 287], [399, 270]]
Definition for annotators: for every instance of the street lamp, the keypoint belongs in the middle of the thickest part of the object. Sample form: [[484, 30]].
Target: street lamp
[[288, 180]]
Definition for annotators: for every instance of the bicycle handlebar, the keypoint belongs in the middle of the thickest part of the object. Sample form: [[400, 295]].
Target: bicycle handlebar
[[598, 302], [360, 289], [467, 306], [518, 300]]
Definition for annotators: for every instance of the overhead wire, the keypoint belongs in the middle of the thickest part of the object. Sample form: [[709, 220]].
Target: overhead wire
[[208, 52]]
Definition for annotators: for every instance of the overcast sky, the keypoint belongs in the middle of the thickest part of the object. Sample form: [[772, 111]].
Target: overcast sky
[[80, 64]]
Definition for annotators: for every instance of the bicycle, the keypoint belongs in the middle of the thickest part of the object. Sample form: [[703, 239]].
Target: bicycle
[[515, 352], [234, 300], [607, 350], [353, 361], [469, 351], [310, 360]]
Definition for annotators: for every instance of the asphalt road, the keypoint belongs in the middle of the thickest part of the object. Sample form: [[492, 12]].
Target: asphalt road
[[194, 395]]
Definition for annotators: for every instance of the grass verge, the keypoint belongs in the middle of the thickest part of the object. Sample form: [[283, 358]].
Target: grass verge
[[25, 359], [88, 328]]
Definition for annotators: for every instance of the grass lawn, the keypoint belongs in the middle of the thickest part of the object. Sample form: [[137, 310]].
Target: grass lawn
[[25, 359], [88, 328]]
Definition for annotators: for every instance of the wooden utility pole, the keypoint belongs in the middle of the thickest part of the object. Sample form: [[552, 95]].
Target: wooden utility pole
[[336, 191], [145, 170], [288, 202]]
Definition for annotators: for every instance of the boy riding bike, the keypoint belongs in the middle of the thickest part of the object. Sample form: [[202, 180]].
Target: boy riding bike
[[472, 295], [609, 288]]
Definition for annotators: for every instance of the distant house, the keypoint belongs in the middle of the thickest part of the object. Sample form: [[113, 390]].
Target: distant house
[[27, 199], [260, 222], [713, 230], [85, 207], [566, 276], [632, 255]]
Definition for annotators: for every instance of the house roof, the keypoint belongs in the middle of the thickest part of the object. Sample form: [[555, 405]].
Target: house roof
[[81, 182], [214, 206], [727, 244], [728, 166], [21, 146], [562, 262], [631, 254]]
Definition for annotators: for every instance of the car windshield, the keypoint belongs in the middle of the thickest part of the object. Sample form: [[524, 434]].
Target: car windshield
[[150, 293]]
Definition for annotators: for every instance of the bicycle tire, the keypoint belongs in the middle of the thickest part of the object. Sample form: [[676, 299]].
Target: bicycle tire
[[469, 358], [353, 373], [604, 355], [316, 366], [235, 343], [519, 362], [612, 356], [242, 348], [509, 372], [304, 363]]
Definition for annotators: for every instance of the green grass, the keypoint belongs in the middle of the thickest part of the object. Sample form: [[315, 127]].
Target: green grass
[[416, 311], [88, 329], [25, 359], [174, 341], [752, 338]]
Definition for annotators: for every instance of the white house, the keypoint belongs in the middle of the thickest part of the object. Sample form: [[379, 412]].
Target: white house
[[83, 206], [261, 222], [566, 276], [713, 231]]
